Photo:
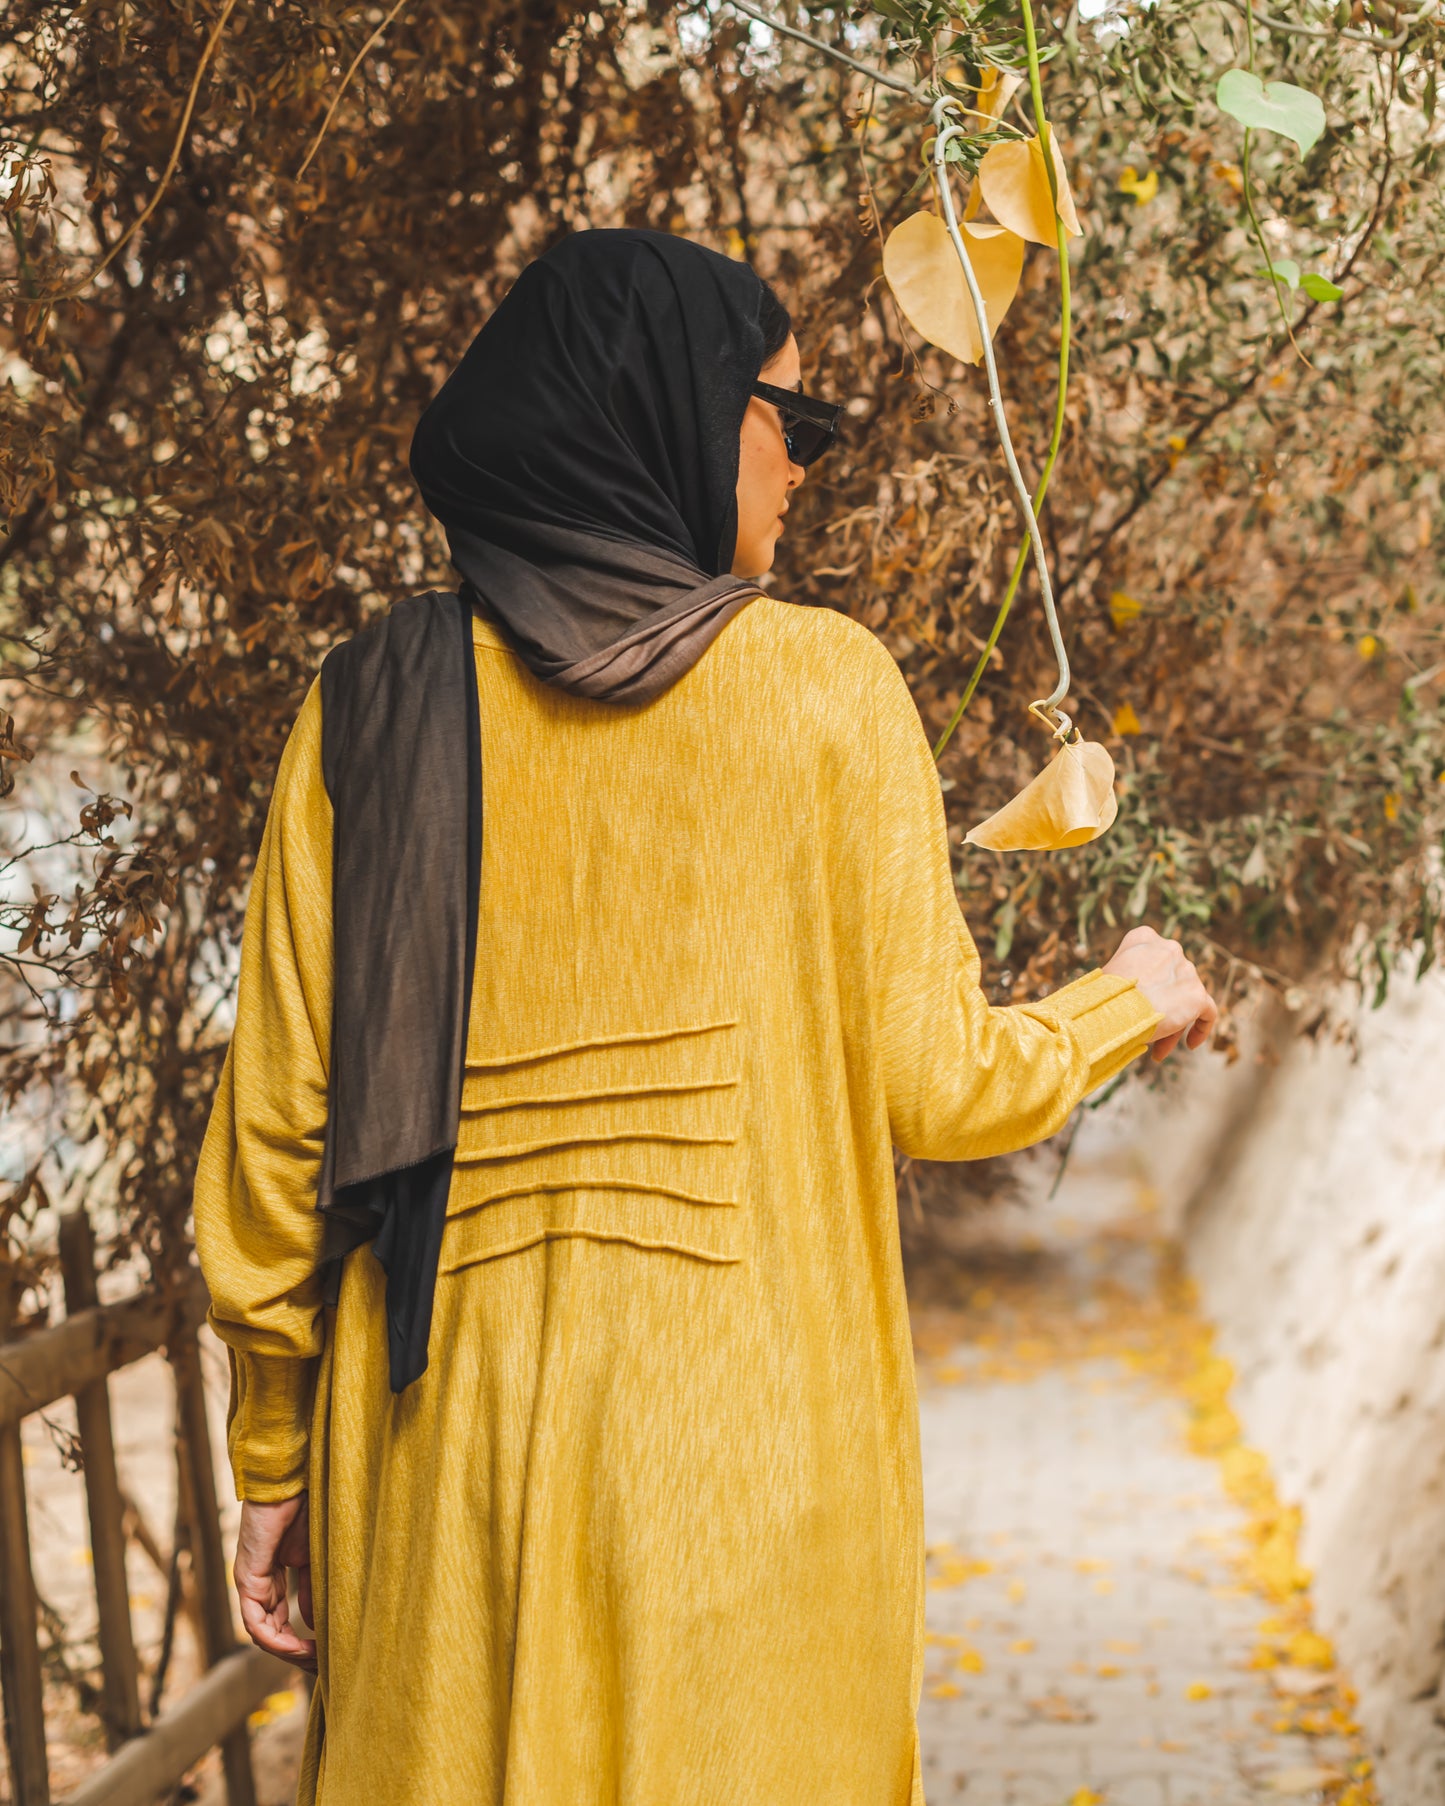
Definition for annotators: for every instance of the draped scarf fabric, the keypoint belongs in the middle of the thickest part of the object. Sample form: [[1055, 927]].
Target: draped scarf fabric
[[583, 460]]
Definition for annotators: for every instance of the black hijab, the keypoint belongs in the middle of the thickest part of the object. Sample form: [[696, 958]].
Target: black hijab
[[583, 459]]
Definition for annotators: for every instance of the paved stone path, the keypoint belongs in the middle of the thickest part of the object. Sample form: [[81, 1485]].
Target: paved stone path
[[1116, 1615]]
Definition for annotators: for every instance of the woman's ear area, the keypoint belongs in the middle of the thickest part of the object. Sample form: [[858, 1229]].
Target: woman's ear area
[[784, 370]]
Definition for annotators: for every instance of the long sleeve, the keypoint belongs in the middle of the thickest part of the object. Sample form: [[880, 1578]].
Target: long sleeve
[[965, 1080], [258, 1233]]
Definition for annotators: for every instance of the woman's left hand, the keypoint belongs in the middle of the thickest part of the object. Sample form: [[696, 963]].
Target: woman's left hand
[[272, 1539]]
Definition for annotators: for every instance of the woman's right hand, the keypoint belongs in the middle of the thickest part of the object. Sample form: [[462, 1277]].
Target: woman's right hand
[[273, 1538], [1171, 984]]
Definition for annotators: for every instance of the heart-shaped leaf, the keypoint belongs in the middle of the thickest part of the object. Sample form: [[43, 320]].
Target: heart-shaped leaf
[[1015, 186], [1320, 288], [1285, 270], [1280, 107], [1071, 800], [927, 280]]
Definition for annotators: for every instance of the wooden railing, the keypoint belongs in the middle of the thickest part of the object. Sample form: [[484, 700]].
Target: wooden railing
[[72, 1359]]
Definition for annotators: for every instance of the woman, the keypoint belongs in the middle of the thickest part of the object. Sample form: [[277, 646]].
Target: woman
[[610, 1438]]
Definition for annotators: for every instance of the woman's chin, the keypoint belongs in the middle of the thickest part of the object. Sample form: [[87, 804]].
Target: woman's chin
[[754, 566]]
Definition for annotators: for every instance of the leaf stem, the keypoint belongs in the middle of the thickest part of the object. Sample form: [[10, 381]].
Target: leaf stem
[[1259, 239], [1022, 557]]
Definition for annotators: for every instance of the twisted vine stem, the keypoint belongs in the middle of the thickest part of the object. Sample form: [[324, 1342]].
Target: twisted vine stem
[[1056, 437], [1028, 506], [945, 131]]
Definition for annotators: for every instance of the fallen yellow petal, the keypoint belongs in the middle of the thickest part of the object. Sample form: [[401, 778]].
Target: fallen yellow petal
[[1143, 188], [1071, 801], [1123, 608], [1016, 187], [1367, 645], [1199, 1690], [924, 273], [1125, 720], [1308, 1649]]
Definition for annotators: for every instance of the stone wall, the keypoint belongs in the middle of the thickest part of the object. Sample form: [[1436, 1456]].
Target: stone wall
[[1308, 1184]]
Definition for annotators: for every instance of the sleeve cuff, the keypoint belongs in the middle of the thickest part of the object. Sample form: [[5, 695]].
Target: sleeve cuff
[[1110, 1016], [268, 1429]]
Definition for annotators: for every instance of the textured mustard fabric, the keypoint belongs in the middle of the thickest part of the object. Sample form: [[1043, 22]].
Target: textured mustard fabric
[[649, 1530]]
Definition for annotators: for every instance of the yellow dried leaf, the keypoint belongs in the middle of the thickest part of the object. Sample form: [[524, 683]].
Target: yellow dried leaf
[[1393, 799], [1308, 1649], [1123, 608], [996, 88], [1143, 188], [1367, 645], [1198, 1690], [1126, 721], [927, 280], [1016, 187], [1071, 800]]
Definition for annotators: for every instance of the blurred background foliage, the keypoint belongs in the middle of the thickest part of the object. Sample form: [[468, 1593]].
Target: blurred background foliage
[[218, 333]]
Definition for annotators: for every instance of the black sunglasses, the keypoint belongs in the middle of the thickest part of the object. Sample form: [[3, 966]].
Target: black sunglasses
[[809, 426]]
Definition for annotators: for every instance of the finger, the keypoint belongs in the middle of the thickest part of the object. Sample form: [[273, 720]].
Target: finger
[[1165, 1046], [303, 1655], [272, 1632], [286, 1644]]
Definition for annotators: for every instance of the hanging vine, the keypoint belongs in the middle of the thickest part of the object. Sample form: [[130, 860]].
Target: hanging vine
[[955, 278]]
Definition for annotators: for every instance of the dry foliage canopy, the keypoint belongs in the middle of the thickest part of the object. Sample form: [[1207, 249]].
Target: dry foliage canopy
[[213, 364]]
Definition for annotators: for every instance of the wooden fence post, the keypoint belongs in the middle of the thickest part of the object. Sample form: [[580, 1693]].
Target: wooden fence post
[[120, 1686], [208, 1559], [21, 1679]]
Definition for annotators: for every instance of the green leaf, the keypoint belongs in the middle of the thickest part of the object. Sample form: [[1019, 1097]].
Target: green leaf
[[1285, 270], [1280, 107], [1320, 288]]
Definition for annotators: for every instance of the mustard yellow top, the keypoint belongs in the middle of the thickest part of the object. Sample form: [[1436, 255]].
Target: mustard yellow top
[[649, 1530]]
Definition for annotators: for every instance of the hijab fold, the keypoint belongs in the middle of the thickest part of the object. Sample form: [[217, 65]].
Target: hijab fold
[[582, 458]]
